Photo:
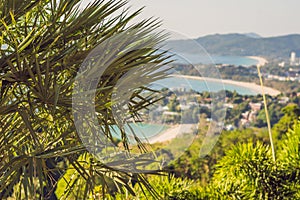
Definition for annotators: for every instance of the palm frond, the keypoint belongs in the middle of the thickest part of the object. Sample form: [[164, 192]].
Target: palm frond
[[43, 44]]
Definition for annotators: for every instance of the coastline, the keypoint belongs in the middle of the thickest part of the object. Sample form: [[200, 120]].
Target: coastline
[[171, 133], [252, 86], [261, 61], [176, 130]]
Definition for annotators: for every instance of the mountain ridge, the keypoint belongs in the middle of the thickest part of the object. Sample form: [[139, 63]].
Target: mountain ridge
[[236, 44]]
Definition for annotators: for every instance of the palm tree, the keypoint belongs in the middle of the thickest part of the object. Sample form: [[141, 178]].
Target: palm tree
[[43, 44]]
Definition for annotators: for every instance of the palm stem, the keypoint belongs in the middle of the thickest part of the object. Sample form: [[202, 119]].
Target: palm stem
[[266, 112]]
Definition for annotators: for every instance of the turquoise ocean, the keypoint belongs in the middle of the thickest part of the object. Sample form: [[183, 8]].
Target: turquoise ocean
[[201, 85], [184, 58]]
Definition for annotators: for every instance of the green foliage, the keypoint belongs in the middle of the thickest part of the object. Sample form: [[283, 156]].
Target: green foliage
[[252, 177], [43, 44], [275, 114], [247, 171], [244, 170], [191, 166], [290, 148], [168, 188], [289, 155], [286, 122]]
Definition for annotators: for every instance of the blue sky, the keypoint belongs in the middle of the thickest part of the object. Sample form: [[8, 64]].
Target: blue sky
[[194, 18]]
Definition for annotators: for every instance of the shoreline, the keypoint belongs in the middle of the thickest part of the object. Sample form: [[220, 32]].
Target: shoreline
[[252, 86], [261, 61], [171, 133]]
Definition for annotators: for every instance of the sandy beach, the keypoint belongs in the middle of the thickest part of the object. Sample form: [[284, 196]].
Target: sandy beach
[[172, 133], [261, 61], [252, 86]]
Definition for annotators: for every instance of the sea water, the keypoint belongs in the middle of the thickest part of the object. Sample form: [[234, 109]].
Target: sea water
[[184, 58], [174, 83]]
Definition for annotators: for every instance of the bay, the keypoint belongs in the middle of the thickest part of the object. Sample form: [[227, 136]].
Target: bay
[[185, 58], [174, 83]]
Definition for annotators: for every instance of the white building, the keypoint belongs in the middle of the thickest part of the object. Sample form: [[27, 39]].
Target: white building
[[282, 64], [293, 58]]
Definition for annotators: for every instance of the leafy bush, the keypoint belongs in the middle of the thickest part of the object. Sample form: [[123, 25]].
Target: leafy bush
[[168, 188], [289, 156], [247, 171]]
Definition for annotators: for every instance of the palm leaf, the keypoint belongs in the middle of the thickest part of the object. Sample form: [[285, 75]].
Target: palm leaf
[[43, 44]]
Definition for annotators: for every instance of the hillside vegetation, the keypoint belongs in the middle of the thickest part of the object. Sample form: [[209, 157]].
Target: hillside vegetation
[[241, 45]]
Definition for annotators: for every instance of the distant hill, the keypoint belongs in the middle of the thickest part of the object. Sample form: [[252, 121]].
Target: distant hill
[[242, 45], [252, 35]]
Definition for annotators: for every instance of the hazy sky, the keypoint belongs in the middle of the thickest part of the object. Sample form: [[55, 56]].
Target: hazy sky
[[201, 17], [194, 18]]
